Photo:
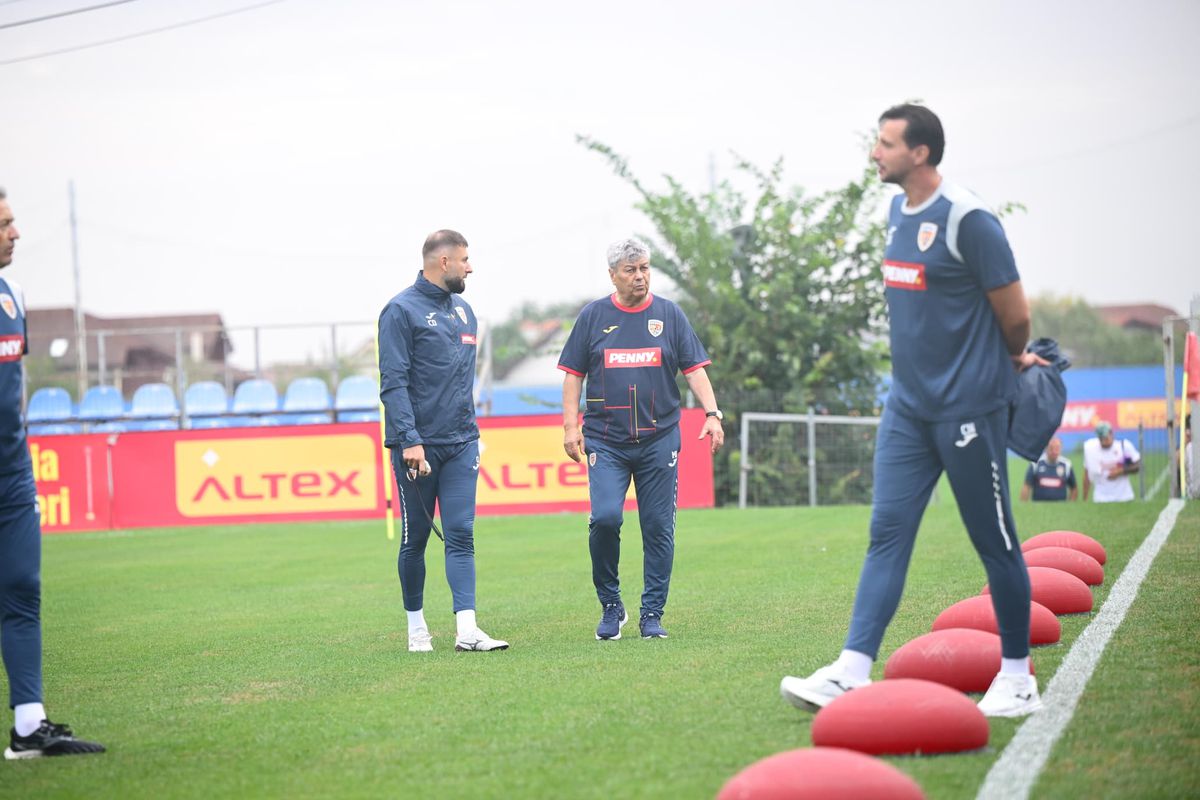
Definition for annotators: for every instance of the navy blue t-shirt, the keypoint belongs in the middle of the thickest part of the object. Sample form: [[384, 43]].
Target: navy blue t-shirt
[[14, 451], [1050, 481], [629, 357], [949, 360]]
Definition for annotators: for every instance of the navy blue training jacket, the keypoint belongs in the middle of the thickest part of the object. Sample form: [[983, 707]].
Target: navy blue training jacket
[[427, 367]]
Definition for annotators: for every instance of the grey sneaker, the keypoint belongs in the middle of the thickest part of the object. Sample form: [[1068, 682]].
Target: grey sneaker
[[478, 642], [651, 626], [614, 618]]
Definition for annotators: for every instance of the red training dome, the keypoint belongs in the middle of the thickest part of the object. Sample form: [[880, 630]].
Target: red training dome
[[1059, 591], [977, 612], [1071, 539], [901, 717], [820, 773], [961, 658], [1076, 562]]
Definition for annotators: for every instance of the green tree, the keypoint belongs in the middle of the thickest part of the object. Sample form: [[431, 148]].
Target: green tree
[[510, 344], [1087, 339], [785, 291]]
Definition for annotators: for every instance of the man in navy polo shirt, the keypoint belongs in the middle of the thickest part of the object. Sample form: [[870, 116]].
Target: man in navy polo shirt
[[32, 734], [959, 323], [427, 345], [1051, 478], [630, 345]]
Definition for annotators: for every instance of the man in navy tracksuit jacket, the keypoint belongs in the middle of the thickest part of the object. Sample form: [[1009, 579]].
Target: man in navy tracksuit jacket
[[427, 345], [958, 325], [32, 734]]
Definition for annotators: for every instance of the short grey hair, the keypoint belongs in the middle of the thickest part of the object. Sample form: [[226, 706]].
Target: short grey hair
[[626, 251]]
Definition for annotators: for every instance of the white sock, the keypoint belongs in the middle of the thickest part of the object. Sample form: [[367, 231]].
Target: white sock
[[1014, 666], [28, 717], [855, 664], [416, 619], [466, 622]]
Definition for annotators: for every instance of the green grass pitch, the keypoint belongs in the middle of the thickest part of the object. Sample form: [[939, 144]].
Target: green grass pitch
[[271, 660]]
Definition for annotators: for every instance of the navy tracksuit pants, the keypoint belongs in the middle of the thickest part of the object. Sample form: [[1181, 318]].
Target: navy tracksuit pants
[[21, 587], [654, 468], [451, 487], [910, 456]]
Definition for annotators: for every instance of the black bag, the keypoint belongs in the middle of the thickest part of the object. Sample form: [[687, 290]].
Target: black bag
[[1037, 411]]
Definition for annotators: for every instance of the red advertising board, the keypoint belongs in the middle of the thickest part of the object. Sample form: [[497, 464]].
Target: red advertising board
[[238, 475]]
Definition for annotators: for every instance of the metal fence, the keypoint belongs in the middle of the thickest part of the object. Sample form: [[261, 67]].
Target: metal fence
[[814, 459]]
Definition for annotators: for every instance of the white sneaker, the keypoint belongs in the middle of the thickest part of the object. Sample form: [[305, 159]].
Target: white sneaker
[[478, 641], [1011, 696], [419, 641], [819, 689]]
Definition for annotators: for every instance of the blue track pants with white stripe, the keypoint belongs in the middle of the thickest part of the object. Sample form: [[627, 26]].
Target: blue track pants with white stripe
[[910, 456], [450, 491]]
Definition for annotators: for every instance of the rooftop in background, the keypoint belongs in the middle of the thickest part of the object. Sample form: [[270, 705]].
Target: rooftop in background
[[1138, 316], [204, 338]]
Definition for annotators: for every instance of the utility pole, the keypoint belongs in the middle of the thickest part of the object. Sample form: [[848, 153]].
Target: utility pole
[[80, 333]]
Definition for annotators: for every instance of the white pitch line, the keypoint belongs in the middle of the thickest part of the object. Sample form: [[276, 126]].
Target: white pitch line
[[1013, 775]]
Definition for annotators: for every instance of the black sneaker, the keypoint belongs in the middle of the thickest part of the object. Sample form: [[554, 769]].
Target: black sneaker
[[51, 739], [652, 627], [613, 620]]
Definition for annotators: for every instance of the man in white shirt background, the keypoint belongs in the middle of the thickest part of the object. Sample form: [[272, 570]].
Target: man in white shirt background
[[1107, 464]]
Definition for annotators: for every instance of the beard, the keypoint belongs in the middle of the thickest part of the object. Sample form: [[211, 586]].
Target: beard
[[456, 285]]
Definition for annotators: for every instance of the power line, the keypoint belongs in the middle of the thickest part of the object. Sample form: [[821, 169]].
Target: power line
[[139, 34], [19, 23]]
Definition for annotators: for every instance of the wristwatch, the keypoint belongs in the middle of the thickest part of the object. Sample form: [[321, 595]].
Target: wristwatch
[[716, 414]]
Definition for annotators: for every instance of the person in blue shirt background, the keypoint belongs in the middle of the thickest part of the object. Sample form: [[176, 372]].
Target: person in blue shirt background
[[630, 346], [959, 323], [427, 345], [1051, 477], [32, 734]]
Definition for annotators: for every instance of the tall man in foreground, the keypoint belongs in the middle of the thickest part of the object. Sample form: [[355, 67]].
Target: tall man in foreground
[[959, 325], [426, 377], [630, 345], [32, 733]]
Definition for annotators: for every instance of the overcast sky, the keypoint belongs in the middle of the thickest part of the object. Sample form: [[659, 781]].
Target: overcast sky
[[284, 164]]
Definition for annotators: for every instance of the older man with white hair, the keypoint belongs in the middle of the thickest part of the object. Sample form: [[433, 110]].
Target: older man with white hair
[[629, 346]]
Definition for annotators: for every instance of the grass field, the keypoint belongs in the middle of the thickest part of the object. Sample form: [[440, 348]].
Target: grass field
[[270, 661]]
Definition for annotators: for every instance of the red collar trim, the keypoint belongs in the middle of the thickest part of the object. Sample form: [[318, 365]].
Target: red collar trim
[[635, 309]]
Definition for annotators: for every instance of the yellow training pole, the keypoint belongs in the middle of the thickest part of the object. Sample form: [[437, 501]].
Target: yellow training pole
[[383, 457], [1183, 433]]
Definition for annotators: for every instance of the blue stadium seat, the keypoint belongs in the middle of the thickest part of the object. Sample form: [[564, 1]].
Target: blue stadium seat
[[307, 394], [205, 397], [356, 395], [54, 429], [49, 404], [155, 400], [102, 403], [255, 396]]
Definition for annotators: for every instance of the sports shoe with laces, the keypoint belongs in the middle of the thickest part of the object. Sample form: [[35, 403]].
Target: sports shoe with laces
[[1011, 696], [50, 739], [420, 641], [819, 689], [478, 641], [614, 618], [651, 626]]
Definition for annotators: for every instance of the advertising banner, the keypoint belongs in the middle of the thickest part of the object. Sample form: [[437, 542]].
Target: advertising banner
[[317, 472]]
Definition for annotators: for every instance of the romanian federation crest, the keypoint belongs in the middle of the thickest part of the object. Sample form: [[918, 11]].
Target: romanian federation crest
[[655, 326], [10, 306], [462, 314], [592, 459], [925, 235]]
